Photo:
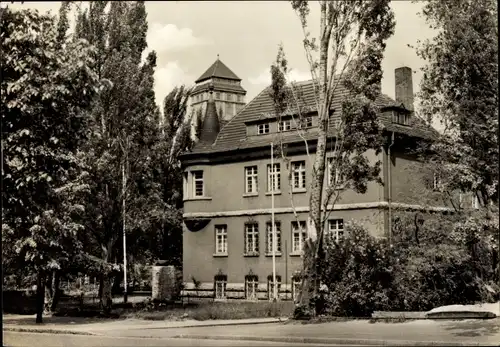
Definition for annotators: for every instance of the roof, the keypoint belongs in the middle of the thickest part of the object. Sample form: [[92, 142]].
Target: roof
[[211, 125], [220, 86], [233, 135], [218, 69]]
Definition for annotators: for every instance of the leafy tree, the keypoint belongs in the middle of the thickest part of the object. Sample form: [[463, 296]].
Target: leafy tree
[[45, 88], [460, 87], [352, 36], [126, 196], [176, 139]]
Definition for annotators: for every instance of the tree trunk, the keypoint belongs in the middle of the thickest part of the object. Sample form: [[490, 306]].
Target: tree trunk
[[51, 292], [105, 299], [105, 295], [40, 296], [310, 280]]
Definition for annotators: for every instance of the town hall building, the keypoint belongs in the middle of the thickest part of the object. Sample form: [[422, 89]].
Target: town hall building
[[228, 180]]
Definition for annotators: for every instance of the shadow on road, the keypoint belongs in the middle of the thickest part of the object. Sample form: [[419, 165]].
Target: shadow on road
[[475, 328], [53, 320]]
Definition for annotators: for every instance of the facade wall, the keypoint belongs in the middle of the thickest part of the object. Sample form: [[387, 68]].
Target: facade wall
[[225, 188], [226, 203], [201, 263], [413, 182]]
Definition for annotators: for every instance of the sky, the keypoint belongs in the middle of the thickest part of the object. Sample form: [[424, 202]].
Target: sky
[[188, 35]]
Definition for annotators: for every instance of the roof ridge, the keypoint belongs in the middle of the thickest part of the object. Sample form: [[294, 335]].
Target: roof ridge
[[237, 114], [215, 66]]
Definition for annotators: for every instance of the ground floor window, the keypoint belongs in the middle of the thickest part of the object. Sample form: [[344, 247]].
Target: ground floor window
[[251, 287], [270, 286], [220, 284], [296, 284]]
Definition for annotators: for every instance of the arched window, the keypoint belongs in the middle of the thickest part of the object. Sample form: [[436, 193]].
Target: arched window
[[220, 284], [270, 286], [251, 287]]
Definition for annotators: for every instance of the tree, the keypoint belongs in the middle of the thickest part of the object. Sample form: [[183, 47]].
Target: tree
[[350, 46], [46, 85], [126, 198], [176, 139], [460, 88]]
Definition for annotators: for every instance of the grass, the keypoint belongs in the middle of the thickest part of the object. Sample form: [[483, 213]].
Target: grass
[[198, 310], [216, 311]]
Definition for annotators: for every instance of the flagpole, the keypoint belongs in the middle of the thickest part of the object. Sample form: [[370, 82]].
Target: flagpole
[[273, 181]]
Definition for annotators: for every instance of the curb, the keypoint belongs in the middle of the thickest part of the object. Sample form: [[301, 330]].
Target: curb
[[214, 324], [330, 341], [48, 331]]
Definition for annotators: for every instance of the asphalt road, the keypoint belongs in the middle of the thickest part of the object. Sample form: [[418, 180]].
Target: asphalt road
[[468, 332], [18, 339]]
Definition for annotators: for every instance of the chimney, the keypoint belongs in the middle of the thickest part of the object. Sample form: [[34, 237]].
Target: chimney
[[404, 87]]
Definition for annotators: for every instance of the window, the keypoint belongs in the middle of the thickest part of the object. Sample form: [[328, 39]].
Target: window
[[285, 125], [269, 232], [251, 287], [185, 186], [308, 122], [252, 239], [270, 286], [240, 98], [229, 97], [400, 118], [251, 179], [221, 239], [299, 174], [334, 176], [475, 201], [296, 285], [437, 183], [336, 229], [217, 95], [273, 178], [220, 286], [298, 236], [198, 183], [263, 129]]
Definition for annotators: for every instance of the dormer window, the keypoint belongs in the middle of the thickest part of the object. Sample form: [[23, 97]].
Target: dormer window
[[401, 118], [263, 129], [285, 125], [306, 122]]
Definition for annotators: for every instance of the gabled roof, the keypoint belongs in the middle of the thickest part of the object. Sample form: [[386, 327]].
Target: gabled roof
[[218, 69], [233, 135]]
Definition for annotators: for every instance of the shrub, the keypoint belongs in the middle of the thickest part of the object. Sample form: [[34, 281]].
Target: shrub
[[358, 272], [453, 263]]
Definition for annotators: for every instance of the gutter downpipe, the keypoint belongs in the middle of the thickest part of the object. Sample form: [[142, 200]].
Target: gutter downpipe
[[389, 186]]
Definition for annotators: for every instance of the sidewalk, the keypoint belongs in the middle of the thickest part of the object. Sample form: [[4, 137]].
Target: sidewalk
[[88, 326]]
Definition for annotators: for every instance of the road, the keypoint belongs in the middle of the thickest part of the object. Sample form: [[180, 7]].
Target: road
[[15, 339], [361, 332], [471, 332]]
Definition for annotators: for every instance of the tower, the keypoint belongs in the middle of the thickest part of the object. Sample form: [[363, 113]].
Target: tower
[[228, 94]]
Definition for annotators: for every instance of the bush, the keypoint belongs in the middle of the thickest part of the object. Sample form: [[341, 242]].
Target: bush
[[358, 272], [364, 274]]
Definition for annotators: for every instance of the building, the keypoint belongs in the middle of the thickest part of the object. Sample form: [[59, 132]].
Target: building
[[227, 199], [229, 95]]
